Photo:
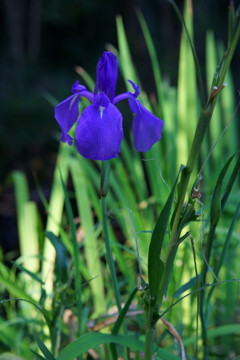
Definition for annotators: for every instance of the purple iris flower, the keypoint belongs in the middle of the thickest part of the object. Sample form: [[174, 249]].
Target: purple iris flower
[[99, 130]]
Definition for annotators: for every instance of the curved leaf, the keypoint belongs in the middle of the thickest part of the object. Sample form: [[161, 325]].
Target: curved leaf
[[91, 340]]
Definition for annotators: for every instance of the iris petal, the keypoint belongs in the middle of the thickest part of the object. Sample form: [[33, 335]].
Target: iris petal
[[66, 114], [99, 132], [107, 73], [147, 128], [76, 88], [128, 94]]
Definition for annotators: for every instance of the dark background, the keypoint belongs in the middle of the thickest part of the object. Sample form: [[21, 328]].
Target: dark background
[[41, 43]]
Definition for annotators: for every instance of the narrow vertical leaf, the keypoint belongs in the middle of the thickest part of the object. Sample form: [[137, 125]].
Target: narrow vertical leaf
[[155, 264]]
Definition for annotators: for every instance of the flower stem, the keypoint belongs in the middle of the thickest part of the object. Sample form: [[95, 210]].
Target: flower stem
[[109, 255], [104, 183]]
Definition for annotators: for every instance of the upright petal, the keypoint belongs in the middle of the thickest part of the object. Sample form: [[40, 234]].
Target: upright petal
[[107, 73], [147, 128], [99, 131], [66, 114]]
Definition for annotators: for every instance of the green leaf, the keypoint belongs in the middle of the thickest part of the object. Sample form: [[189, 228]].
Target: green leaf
[[55, 213], [48, 355], [225, 248], [122, 314], [187, 23], [39, 357], [61, 268], [187, 95], [91, 340], [28, 218], [125, 56], [30, 273], [216, 332], [15, 289], [76, 255], [231, 181], [155, 264], [215, 127], [187, 286], [86, 209], [217, 202], [154, 61]]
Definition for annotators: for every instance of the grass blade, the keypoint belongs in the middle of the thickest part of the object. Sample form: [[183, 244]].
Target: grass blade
[[28, 217], [125, 57], [61, 267], [123, 312], [55, 212], [92, 340], [154, 61], [91, 245], [76, 259], [44, 349], [187, 95], [225, 248], [155, 264]]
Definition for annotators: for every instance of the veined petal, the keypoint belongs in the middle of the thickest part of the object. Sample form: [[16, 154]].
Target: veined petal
[[107, 73], [99, 132], [147, 128], [66, 114]]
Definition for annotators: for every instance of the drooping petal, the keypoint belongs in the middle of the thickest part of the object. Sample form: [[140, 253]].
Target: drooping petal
[[66, 114], [99, 131], [147, 128], [107, 73]]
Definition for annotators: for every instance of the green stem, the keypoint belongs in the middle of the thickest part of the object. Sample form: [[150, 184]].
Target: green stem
[[109, 255], [150, 334], [202, 126], [203, 315], [104, 183]]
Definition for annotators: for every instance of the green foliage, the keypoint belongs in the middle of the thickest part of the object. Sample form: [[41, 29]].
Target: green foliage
[[155, 264], [44, 349], [63, 277]]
